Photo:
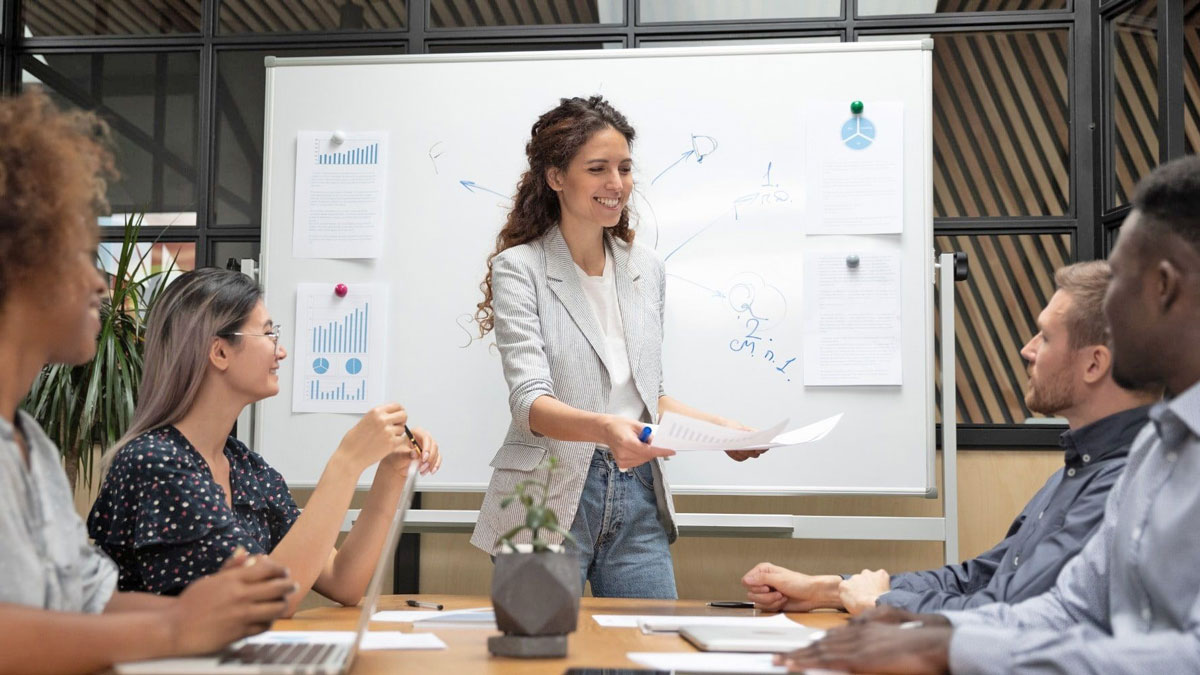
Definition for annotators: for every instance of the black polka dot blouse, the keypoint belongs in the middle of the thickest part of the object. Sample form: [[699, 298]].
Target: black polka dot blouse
[[163, 519]]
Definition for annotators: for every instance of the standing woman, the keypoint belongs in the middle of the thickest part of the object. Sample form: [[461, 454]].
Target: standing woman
[[59, 612], [578, 312], [180, 492]]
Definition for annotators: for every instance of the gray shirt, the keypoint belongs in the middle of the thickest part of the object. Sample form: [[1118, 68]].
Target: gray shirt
[[1052, 528], [1128, 603], [45, 558]]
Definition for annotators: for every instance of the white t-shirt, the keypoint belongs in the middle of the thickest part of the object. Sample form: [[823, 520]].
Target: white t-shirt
[[601, 292]]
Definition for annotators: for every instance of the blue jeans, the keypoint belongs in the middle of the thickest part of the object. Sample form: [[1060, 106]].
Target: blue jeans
[[621, 544]]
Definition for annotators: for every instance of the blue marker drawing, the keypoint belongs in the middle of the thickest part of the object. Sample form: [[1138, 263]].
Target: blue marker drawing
[[473, 186], [858, 133], [702, 146], [434, 153], [767, 193], [715, 293]]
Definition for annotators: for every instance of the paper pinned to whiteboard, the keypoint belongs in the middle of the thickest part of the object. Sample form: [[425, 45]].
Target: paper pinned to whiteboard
[[852, 328], [340, 348], [855, 168], [341, 181]]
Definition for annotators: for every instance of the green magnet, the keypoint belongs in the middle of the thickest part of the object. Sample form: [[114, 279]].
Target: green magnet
[[856, 107]]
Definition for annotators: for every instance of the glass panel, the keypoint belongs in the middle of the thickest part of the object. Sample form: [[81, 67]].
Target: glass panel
[[150, 102], [237, 175], [740, 41], [893, 7], [662, 11], [1191, 79], [470, 14], [223, 253], [174, 258], [473, 47], [285, 16], [1014, 85], [1133, 99], [110, 17], [996, 308]]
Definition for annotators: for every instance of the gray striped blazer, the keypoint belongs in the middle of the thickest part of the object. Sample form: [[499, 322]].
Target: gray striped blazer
[[551, 345]]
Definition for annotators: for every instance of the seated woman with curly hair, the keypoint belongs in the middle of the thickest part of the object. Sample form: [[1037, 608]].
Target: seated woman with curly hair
[[59, 610]]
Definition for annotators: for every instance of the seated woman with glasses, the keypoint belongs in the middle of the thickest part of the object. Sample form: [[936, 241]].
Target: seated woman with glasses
[[180, 493]]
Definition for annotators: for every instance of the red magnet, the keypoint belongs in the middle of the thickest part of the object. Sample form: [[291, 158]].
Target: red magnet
[[341, 290]]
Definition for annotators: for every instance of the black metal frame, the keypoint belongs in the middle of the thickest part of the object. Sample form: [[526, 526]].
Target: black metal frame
[[1087, 220]]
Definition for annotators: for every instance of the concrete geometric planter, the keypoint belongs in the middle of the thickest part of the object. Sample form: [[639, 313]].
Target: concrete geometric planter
[[536, 599]]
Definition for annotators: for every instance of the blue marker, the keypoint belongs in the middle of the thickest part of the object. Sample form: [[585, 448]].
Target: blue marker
[[645, 435]]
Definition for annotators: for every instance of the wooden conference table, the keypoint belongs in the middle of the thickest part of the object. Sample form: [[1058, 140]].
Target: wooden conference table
[[590, 646]]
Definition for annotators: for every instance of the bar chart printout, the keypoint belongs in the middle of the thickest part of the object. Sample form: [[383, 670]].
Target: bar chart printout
[[339, 348], [340, 195]]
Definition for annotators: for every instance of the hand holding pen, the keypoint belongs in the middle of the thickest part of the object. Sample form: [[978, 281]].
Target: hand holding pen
[[624, 439]]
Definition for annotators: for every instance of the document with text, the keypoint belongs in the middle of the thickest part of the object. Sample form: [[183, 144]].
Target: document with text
[[687, 434]]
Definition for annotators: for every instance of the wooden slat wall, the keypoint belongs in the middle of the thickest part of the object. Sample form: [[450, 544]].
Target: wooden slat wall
[[1012, 279], [998, 5], [471, 13], [1191, 76], [273, 16], [111, 17], [1134, 98], [1001, 124]]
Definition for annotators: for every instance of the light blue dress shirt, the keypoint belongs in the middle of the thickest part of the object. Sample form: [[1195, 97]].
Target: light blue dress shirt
[[1128, 603], [46, 560]]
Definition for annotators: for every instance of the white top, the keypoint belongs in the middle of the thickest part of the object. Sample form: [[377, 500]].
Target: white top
[[601, 292]]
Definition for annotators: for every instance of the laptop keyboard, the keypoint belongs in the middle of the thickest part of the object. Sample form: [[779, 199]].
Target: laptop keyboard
[[279, 654]]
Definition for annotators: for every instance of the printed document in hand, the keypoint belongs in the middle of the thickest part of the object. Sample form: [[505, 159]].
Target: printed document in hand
[[685, 434]]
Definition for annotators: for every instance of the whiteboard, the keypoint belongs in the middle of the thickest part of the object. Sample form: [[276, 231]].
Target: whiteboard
[[711, 123]]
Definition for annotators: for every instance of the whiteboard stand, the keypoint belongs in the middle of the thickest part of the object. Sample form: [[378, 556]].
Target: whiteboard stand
[[951, 267]]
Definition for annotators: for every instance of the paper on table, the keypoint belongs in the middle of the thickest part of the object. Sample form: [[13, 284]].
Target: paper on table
[[374, 640], [852, 327], [684, 434], [707, 662], [475, 617], [672, 622]]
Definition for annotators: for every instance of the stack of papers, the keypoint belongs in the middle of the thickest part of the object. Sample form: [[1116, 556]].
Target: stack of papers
[[685, 434], [374, 640], [478, 617], [707, 662], [671, 623]]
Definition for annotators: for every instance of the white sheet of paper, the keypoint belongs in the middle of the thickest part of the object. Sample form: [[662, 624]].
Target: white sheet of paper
[[707, 662], [852, 328], [855, 165], [373, 640], [340, 348], [672, 622], [687, 434], [340, 190], [472, 615]]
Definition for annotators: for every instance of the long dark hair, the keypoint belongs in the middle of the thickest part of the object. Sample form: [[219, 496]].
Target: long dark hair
[[555, 139]]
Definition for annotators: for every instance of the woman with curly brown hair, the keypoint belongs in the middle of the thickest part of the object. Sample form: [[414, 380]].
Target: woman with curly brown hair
[[577, 308], [58, 609]]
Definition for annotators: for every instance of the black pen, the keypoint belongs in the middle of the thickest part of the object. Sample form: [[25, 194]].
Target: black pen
[[424, 605], [412, 439]]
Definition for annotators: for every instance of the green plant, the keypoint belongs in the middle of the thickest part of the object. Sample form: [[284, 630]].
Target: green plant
[[82, 406], [538, 516]]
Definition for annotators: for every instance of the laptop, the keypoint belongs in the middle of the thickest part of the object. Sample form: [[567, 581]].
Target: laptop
[[750, 638], [280, 652]]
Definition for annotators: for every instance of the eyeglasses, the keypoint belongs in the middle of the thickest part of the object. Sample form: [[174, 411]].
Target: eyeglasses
[[276, 332]]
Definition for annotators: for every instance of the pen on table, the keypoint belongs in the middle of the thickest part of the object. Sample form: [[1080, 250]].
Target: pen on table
[[424, 605]]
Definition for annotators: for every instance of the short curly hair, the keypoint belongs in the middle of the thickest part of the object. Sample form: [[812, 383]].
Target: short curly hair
[[53, 170]]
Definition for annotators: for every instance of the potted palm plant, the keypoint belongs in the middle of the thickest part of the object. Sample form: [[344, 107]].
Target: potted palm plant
[[81, 407], [535, 586]]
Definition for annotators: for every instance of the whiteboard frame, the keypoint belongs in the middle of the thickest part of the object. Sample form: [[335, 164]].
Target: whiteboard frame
[[924, 44]]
